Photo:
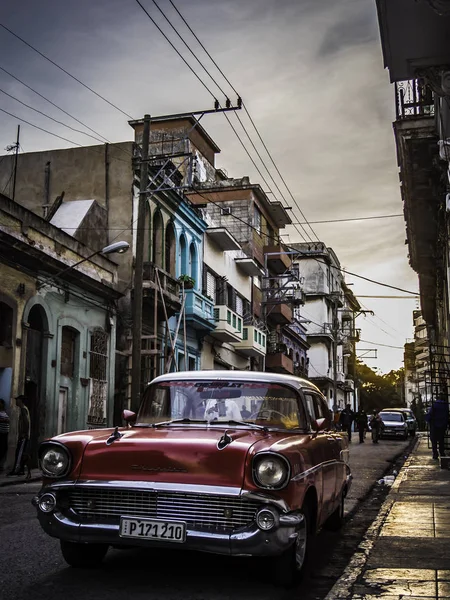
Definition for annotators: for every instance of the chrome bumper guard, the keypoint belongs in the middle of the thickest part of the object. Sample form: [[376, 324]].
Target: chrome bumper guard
[[245, 541]]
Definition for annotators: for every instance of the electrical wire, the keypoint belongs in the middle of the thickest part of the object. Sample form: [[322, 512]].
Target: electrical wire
[[92, 148], [246, 111], [51, 118], [300, 253], [349, 220], [64, 71], [384, 345], [211, 93], [53, 104]]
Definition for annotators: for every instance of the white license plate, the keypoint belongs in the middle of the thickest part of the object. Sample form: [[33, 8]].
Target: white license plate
[[150, 529]]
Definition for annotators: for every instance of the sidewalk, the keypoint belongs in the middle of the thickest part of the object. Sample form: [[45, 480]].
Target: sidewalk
[[36, 475], [406, 551]]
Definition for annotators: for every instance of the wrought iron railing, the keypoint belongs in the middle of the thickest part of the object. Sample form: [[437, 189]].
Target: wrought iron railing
[[413, 98], [168, 282]]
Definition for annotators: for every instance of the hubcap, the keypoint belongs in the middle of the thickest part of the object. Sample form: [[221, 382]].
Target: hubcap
[[300, 545]]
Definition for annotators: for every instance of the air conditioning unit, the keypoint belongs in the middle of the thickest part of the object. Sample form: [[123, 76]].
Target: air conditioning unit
[[226, 210]]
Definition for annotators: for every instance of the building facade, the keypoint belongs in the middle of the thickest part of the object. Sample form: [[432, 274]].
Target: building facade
[[58, 324]]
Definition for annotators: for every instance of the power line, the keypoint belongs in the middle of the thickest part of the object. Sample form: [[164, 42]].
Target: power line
[[211, 93], [390, 297], [53, 104], [300, 253], [53, 134], [384, 345], [64, 71], [51, 118], [348, 220], [247, 112]]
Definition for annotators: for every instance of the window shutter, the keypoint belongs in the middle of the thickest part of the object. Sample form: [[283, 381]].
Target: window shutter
[[211, 286]]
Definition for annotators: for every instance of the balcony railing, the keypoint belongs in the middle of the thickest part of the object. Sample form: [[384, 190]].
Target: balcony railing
[[168, 283], [413, 99], [199, 310]]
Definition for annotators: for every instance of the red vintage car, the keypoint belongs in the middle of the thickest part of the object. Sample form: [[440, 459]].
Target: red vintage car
[[241, 463]]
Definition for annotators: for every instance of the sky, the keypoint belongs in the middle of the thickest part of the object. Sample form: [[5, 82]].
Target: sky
[[311, 75]]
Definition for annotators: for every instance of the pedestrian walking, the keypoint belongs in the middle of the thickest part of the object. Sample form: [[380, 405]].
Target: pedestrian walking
[[23, 437], [361, 423], [4, 432], [346, 420], [376, 425], [438, 420]]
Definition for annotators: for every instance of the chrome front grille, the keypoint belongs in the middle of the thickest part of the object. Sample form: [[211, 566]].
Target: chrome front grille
[[200, 511]]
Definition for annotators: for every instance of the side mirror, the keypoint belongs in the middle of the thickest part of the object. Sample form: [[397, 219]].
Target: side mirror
[[319, 424], [129, 416]]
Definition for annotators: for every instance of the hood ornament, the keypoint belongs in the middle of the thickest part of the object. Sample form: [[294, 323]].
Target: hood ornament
[[116, 435], [224, 441]]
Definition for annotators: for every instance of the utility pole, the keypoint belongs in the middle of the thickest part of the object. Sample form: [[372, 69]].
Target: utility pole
[[138, 271], [15, 163]]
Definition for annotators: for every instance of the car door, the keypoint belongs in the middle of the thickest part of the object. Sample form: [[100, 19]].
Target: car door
[[326, 449]]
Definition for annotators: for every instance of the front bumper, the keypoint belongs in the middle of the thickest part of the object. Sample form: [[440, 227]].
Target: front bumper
[[245, 541]]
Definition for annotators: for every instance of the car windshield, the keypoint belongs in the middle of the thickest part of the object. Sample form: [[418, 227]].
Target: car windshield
[[392, 417], [260, 403]]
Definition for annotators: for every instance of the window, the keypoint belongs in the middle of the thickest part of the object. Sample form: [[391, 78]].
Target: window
[[68, 338], [239, 306], [257, 219], [211, 286], [6, 324]]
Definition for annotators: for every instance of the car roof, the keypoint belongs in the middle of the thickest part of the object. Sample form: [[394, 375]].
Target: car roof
[[255, 376]]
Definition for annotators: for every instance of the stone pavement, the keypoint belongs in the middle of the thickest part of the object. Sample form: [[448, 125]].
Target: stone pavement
[[406, 551]]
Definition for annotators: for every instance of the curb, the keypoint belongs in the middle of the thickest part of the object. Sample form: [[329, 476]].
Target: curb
[[342, 588], [13, 481]]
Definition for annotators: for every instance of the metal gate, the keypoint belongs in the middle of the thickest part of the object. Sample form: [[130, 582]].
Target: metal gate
[[98, 383], [437, 382]]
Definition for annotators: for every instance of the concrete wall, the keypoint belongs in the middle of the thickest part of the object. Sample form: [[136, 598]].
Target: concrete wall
[[103, 173]]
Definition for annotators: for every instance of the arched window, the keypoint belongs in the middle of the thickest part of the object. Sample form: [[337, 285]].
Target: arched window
[[158, 239], [193, 262], [170, 250], [184, 270]]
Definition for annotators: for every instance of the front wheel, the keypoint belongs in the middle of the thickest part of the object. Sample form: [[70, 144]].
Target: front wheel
[[336, 519], [87, 556], [290, 566]]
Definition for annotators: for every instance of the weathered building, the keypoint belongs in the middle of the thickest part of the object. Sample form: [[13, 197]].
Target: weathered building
[[57, 325], [416, 50], [329, 317]]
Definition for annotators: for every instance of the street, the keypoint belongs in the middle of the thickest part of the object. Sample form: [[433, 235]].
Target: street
[[33, 566]]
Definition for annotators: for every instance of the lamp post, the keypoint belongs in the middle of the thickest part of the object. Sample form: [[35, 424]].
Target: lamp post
[[115, 248]]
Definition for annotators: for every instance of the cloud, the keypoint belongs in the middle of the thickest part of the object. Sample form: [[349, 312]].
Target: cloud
[[310, 73]]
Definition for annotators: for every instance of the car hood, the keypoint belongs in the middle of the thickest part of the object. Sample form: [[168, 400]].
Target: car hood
[[184, 455]]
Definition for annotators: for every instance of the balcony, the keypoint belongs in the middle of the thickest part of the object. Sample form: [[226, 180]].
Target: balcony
[[413, 100], [280, 314], [169, 285], [199, 311], [279, 362], [253, 342], [223, 238], [228, 325], [277, 261], [349, 384], [249, 267], [320, 331]]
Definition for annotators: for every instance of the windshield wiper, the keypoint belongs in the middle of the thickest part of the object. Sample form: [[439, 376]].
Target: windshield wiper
[[177, 422], [233, 422]]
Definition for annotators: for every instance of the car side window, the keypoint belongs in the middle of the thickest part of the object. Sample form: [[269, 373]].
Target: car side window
[[309, 403]]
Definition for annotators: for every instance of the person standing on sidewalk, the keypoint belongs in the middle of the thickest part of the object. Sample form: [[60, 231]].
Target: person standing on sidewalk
[[4, 432], [346, 421], [376, 426], [361, 423], [23, 437], [438, 419]]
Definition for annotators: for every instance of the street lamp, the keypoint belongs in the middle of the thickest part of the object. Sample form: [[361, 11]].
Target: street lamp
[[115, 248]]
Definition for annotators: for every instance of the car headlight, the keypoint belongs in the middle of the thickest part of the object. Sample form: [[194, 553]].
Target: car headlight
[[271, 471], [55, 460]]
